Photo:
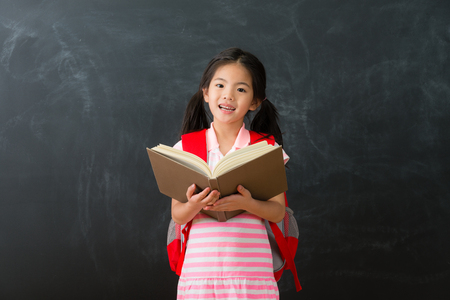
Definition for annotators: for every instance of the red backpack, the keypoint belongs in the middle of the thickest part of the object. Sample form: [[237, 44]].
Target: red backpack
[[283, 236]]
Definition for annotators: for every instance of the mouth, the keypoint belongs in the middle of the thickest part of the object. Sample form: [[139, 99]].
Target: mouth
[[227, 108]]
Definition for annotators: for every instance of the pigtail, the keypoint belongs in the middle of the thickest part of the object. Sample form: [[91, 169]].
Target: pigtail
[[195, 117], [266, 121]]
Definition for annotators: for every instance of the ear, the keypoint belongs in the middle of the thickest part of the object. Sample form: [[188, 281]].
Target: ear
[[255, 104], [205, 94]]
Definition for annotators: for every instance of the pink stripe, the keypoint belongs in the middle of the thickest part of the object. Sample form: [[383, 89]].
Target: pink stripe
[[227, 287], [227, 296], [228, 274], [247, 216], [229, 254], [243, 235], [242, 264], [228, 225], [226, 245]]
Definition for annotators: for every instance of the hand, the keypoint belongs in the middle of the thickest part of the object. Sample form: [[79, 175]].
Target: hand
[[203, 198], [233, 202]]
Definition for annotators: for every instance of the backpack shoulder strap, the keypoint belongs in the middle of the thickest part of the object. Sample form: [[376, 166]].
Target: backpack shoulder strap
[[258, 137], [186, 230], [286, 253], [195, 143]]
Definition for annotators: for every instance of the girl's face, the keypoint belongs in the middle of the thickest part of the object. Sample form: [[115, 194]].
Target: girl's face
[[230, 94]]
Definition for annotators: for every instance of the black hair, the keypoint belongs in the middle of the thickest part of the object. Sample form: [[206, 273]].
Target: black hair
[[265, 120]]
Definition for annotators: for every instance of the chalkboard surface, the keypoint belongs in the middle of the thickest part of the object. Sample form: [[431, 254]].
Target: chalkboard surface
[[363, 91]]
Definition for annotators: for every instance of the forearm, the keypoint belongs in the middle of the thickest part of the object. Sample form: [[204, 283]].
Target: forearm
[[183, 212], [272, 210]]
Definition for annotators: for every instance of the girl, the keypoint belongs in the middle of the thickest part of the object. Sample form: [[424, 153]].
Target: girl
[[232, 259]]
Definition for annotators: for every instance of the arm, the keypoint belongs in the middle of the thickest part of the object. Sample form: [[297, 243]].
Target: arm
[[272, 210], [184, 212]]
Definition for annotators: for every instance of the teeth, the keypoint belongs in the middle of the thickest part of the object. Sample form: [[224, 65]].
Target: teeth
[[226, 108]]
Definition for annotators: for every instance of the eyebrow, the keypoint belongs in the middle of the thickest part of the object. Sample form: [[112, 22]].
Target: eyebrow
[[242, 82]]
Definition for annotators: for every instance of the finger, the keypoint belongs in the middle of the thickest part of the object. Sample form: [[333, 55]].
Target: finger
[[211, 198], [243, 191], [190, 191], [203, 194], [213, 207], [219, 206], [219, 202]]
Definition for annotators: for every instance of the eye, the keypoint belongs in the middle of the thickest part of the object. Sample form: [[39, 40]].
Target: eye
[[241, 90], [219, 85]]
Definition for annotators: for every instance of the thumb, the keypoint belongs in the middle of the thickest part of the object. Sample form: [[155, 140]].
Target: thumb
[[243, 191]]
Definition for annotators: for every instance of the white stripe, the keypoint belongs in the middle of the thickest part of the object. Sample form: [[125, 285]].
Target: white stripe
[[225, 240], [224, 291], [228, 229], [240, 250], [235, 259]]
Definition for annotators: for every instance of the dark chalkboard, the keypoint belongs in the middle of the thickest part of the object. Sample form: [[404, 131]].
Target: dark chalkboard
[[363, 90]]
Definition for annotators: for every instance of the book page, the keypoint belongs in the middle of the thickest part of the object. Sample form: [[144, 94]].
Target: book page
[[241, 156], [185, 158], [241, 151]]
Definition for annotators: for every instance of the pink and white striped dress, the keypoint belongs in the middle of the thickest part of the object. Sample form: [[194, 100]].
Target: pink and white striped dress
[[227, 260]]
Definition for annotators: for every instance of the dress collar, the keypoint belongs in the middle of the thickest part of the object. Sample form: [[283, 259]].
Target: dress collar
[[242, 139]]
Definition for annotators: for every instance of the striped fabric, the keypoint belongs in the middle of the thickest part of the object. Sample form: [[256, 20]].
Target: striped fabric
[[227, 260]]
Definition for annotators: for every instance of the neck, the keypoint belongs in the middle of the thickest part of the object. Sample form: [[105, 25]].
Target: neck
[[226, 135]]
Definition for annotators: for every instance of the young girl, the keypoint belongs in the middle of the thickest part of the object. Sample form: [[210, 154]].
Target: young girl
[[232, 259]]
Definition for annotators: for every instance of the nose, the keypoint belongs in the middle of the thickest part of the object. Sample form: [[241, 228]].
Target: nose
[[228, 95]]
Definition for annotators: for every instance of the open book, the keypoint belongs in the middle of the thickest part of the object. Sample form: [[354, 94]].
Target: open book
[[258, 167]]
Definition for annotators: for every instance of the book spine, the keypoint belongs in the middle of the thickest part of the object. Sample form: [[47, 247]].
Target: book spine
[[214, 185]]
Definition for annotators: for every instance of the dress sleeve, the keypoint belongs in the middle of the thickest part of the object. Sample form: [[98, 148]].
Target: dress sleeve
[[178, 145], [285, 156]]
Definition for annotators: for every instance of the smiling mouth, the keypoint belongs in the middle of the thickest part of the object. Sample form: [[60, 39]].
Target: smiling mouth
[[227, 108]]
